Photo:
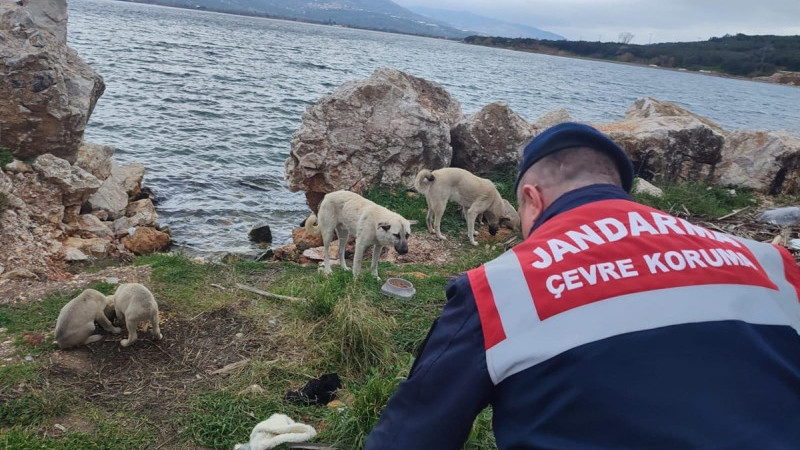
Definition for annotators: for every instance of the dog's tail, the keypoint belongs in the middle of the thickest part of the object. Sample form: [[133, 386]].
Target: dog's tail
[[424, 180], [312, 226]]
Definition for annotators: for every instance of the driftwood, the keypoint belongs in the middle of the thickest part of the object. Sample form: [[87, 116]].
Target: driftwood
[[230, 367], [247, 288]]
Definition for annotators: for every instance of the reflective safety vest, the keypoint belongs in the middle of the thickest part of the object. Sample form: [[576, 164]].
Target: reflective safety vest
[[613, 267]]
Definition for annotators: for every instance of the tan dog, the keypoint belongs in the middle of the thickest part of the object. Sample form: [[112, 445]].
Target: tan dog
[[133, 303], [512, 223], [347, 213], [75, 324], [476, 195]]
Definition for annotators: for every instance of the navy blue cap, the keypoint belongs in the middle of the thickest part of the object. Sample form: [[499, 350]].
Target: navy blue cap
[[571, 134]]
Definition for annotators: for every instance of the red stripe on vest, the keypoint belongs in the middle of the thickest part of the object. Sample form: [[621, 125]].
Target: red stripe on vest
[[493, 332], [790, 270]]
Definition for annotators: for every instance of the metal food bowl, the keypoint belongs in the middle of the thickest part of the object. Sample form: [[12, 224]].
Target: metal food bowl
[[398, 287]]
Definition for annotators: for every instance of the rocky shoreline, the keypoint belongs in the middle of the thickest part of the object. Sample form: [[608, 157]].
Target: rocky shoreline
[[64, 200]]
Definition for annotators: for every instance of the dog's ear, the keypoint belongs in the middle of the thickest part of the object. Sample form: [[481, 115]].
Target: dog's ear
[[385, 225]]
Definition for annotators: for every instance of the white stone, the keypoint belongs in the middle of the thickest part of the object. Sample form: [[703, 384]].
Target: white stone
[[641, 186]]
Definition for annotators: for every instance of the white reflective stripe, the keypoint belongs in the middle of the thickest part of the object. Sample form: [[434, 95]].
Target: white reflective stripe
[[511, 294], [770, 259], [630, 313]]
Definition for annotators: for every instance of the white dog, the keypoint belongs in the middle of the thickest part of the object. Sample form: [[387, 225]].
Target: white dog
[[133, 303], [75, 324], [348, 213], [476, 196]]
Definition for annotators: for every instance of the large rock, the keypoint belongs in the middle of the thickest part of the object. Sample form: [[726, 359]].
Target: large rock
[[95, 159], [668, 143], [488, 141], [112, 197], [552, 118], [378, 131], [75, 184], [47, 92], [765, 161], [146, 240]]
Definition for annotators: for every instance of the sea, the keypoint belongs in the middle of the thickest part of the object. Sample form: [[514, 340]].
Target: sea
[[208, 102]]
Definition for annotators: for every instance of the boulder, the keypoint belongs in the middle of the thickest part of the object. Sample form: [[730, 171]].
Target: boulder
[[18, 166], [768, 162], [260, 234], [303, 240], [91, 224], [146, 240], [95, 159], [74, 183], [112, 197], [140, 213], [378, 131], [668, 143], [47, 92], [98, 247], [552, 118], [488, 141]]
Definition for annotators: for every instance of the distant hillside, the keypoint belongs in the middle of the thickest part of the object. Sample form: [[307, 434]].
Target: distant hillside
[[484, 26], [381, 15], [741, 55]]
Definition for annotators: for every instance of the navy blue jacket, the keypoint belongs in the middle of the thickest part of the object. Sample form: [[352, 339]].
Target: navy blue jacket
[[720, 384]]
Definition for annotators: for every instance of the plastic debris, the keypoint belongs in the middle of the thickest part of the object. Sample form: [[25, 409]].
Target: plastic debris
[[783, 217]]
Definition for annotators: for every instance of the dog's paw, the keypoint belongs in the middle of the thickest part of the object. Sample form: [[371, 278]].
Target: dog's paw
[[473, 243], [116, 330], [159, 336], [124, 342]]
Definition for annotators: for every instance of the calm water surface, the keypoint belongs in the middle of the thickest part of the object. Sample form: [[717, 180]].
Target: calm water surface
[[209, 102]]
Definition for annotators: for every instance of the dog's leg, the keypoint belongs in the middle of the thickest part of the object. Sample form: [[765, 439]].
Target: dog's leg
[[344, 235], [106, 324], [358, 256], [438, 212], [429, 217], [327, 237], [131, 324], [156, 330], [471, 214], [93, 338], [376, 254]]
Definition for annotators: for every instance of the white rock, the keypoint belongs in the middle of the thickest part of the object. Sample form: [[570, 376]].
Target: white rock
[[73, 254], [641, 186]]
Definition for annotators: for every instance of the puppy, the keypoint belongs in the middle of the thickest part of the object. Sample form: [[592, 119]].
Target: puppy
[[133, 303], [75, 324], [476, 195], [347, 213]]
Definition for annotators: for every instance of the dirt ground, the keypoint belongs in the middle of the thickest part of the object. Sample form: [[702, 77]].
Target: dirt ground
[[158, 375]]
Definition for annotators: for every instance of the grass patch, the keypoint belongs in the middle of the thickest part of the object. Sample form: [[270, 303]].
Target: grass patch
[[221, 419], [699, 199], [31, 408], [185, 284], [16, 374], [110, 435], [6, 157], [349, 428]]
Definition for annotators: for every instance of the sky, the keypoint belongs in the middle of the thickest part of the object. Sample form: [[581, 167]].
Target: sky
[[649, 21]]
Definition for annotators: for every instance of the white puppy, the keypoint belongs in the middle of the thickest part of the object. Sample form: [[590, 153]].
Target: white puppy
[[133, 303], [347, 213], [476, 196], [75, 324]]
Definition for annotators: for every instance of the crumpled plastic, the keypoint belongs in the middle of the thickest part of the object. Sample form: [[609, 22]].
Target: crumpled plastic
[[783, 217]]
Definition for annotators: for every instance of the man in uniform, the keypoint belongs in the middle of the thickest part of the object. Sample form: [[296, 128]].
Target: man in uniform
[[613, 325]]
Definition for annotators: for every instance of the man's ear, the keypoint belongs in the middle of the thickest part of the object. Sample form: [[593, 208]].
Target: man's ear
[[534, 199]]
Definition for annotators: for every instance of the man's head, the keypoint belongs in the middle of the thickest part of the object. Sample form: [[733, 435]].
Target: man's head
[[563, 158]]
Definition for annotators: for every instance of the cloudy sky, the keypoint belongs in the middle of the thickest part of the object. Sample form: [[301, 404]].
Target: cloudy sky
[[647, 20]]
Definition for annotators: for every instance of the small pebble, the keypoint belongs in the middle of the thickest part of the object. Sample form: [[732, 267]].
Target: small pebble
[[60, 427], [28, 358], [238, 335]]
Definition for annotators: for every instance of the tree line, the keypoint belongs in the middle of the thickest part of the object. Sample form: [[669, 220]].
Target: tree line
[[740, 54]]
